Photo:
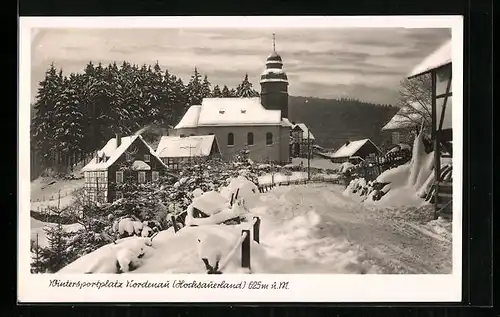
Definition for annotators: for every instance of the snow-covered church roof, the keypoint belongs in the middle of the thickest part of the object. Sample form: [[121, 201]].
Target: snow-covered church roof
[[229, 112], [110, 153], [350, 148], [174, 146]]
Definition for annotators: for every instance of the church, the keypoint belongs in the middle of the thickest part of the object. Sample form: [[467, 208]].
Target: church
[[258, 124]]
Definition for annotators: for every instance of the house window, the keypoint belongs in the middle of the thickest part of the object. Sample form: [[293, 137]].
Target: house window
[[250, 138], [119, 177], [142, 177], [182, 135], [211, 133], [155, 175], [230, 139], [396, 136], [147, 158], [192, 134], [269, 138], [118, 195]]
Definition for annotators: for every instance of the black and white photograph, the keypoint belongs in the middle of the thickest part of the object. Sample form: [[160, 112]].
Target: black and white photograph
[[230, 149]]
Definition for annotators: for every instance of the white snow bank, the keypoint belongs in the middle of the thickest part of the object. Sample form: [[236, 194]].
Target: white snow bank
[[179, 252], [210, 202], [110, 257], [229, 212]]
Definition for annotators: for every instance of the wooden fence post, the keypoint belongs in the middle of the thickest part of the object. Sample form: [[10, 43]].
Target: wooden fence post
[[245, 250], [174, 223], [232, 199], [256, 229]]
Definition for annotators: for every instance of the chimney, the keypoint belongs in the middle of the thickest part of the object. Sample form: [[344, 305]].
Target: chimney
[[118, 140]]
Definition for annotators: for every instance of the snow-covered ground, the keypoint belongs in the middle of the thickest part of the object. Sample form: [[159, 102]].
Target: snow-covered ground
[[45, 190], [37, 228], [316, 162], [311, 228]]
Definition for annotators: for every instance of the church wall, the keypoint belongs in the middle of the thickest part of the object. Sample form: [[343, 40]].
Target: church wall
[[259, 151]]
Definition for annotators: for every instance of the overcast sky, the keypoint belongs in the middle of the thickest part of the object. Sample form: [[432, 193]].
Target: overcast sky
[[361, 63]]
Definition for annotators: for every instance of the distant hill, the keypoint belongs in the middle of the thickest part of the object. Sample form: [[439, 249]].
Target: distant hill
[[334, 121]]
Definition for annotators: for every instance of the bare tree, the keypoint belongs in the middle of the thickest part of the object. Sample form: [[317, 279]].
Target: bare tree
[[415, 101]]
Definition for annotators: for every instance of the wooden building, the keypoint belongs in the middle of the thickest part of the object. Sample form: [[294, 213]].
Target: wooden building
[[302, 140], [403, 127], [122, 159], [354, 151], [439, 66], [173, 150]]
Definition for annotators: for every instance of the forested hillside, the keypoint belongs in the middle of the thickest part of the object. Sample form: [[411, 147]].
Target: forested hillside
[[75, 114], [333, 121]]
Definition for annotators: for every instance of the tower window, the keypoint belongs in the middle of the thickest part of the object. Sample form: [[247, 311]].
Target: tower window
[[230, 139], [250, 138], [269, 138]]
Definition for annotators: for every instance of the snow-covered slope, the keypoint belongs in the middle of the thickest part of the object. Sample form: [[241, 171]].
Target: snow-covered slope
[[45, 191]]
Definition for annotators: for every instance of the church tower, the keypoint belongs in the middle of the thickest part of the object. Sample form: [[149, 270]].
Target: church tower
[[274, 84]]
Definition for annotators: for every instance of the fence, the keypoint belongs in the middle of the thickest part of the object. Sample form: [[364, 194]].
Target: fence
[[53, 197], [373, 167], [314, 179]]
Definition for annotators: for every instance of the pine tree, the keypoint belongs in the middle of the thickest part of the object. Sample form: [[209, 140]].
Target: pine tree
[[245, 89], [233, 93], [194, 89], [43, 126], [225, 92], [37, 262], [159, 100], [68, 120], [56, 255], [206, 88], [216, 93], [182, 101]]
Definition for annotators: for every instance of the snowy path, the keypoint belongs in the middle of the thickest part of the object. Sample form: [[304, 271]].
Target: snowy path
[[348, 237]]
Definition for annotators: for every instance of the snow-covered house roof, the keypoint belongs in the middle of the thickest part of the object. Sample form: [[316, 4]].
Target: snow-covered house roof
[[173, 146], [350, 148], [229, 112], [304, 129], [402, 122], [406, 117], [110, 153], [438, 58]]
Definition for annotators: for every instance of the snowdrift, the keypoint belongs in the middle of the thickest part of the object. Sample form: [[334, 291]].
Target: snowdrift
[[180, 252], [404, 185]]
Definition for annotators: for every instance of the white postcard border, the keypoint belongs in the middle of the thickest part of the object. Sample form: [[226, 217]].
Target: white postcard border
[[302, 287]]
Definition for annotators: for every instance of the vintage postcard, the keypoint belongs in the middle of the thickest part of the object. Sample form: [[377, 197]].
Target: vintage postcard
[[292, 159]]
